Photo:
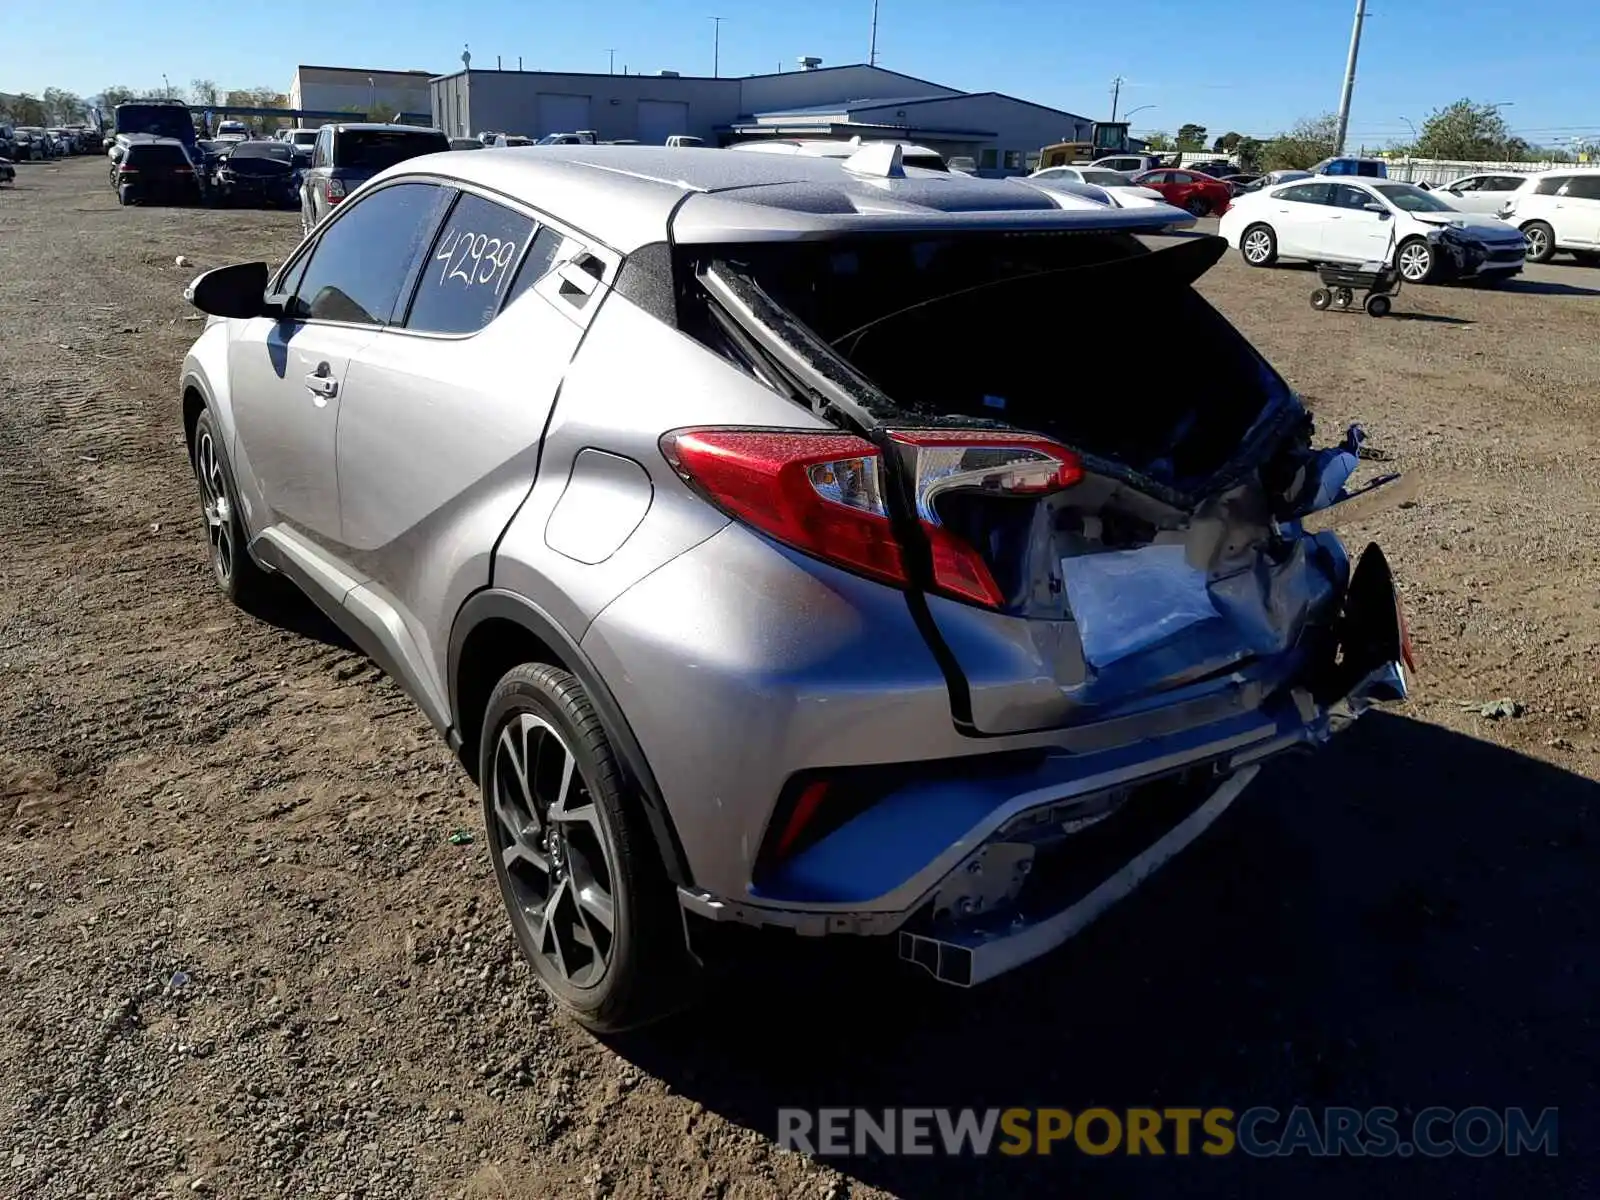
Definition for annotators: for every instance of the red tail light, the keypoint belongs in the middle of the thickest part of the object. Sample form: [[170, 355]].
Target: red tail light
[[817, 492], [1004, 464], [127, 170], [333, 191], [823, 492]]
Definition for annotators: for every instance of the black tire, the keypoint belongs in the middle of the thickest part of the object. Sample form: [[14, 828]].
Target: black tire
[[1259, 236], [227, 543], [1541, 242], [1416, 261], [1321, 298], [636, 972], [1198, 206], [125, 196], [1343, 298], [1379, 306]]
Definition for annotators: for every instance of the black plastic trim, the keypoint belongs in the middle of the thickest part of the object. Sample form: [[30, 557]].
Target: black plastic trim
[[497, 604]]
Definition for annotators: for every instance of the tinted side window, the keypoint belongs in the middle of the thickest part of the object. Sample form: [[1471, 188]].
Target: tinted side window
[[1584, 187], [536, 263], [1553, 184], [1345, 196], [470, 268], [361, 261], [1306, 193]]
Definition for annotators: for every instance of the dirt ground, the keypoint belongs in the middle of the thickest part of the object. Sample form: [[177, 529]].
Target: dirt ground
[[240, 956]]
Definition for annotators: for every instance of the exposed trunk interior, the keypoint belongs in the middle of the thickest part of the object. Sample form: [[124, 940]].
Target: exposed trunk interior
[[1166, 565]]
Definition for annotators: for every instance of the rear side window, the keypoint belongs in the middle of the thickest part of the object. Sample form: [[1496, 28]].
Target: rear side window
[[1552, 184], [470, 269], [375, 149], [537, 262], [1584, 187], [364, 258], [1306, 193]]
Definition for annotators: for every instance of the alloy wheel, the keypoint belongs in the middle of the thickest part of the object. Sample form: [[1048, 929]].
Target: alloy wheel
[[555, 850], [1257, 245], [214, 500], [1538, 243], [1415, 262]]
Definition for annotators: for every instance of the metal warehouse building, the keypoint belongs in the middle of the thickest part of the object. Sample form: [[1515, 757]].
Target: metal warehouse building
[[996, 130], [359, 90]]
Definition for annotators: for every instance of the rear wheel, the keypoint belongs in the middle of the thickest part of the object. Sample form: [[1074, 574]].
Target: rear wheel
[[1541, 241], [1416, 260], [1259, 246], [1321, 298], [590, 904], [1198, 206], [1378, 306]]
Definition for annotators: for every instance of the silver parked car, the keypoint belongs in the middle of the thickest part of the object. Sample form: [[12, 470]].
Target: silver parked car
[[719, 512]]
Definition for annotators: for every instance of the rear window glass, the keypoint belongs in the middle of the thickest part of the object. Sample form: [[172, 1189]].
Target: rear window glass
[[275, 150], [1553, 184], [375, 149], [158, 156]]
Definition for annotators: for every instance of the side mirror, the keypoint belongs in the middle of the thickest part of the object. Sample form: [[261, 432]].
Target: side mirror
[[239, 290], [1374, 207]]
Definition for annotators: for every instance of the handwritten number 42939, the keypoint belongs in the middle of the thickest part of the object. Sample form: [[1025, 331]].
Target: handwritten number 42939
[[475, 259]]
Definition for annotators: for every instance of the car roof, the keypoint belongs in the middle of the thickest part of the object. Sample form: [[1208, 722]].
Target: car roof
[[1575, 169], [628, 196], [344, 126]]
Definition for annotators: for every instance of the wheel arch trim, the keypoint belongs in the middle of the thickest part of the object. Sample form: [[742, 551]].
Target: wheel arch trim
[[493, 604]]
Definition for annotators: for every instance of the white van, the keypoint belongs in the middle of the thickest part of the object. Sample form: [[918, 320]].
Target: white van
[[1556, 210]]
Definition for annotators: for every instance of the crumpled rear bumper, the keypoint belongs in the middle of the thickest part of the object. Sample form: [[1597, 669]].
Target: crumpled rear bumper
[[1041, 849]]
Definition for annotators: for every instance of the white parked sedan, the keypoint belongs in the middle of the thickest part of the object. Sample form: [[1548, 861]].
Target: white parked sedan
[[1352, 220], [1480, 193], [1124, 192]]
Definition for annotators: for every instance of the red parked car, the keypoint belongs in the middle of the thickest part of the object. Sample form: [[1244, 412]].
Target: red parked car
[[1200, 194]]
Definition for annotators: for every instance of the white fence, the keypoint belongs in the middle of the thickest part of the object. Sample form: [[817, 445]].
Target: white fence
[[1434, 171]]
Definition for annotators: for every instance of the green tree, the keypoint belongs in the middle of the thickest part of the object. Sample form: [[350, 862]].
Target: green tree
[[1191, 137], [204, 91], [116, 94], [384, 112], [1159, 140], [1309, 141], [24, 109], [1468, 131], [62, 107], [1249, 151], [1227, 143]]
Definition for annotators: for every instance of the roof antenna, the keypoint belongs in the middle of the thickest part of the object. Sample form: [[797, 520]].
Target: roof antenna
[[883, 160]]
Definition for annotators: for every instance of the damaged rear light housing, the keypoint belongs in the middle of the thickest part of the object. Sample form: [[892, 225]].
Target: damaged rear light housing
[[824, 493]]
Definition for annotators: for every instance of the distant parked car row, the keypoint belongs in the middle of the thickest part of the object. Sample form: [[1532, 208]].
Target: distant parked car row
[[34, 143]]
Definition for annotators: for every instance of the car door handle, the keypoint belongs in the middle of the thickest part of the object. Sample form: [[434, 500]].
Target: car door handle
[[322, 383]]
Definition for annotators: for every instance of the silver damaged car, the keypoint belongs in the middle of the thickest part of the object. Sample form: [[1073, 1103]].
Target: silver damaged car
[[717, 509]]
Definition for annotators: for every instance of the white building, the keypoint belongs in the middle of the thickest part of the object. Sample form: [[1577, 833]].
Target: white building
[[358, 91], [999, 132]]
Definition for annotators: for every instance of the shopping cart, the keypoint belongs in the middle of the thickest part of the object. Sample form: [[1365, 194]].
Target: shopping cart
[[1340, 283]]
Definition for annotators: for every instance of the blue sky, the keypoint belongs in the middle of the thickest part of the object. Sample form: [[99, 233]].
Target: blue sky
[[1251, 65]]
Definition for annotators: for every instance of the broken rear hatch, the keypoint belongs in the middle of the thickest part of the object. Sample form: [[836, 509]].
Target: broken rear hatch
[[1095, 480]]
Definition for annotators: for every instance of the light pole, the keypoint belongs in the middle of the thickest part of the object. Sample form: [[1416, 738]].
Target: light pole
[[716, 46], [872, 44], [1131, 111], [1116, 94], [1349, 77], [165, 86], [1414, 138], [612, 69], [372, 97]]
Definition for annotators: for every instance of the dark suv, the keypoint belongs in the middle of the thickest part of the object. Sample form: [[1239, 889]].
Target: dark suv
[[346, 156], [152, 168]]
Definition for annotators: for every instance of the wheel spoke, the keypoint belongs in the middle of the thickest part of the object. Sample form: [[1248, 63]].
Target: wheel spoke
[[592, 897], [549, 937], [519, 851]]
